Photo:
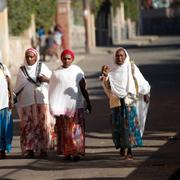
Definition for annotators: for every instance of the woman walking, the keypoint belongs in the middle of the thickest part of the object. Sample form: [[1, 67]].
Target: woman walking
[[67, 91], [33, 109], [126, 87], [6, 104]]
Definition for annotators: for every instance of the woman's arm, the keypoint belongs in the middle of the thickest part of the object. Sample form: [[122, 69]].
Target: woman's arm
[[43, 78], [84, 91], [10, 90]]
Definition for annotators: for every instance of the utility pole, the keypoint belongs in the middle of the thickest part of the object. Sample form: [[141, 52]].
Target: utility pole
[[86, 10]]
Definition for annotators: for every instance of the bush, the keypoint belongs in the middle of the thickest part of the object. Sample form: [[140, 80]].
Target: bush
[[20, 11], [19, 16]]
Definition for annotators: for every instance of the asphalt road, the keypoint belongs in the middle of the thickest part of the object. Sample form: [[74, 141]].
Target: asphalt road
[[159, 158]]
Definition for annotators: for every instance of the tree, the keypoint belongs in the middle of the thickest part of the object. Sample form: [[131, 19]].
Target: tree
[[20, 11], [44, 13], [131, 8], [19, 16]]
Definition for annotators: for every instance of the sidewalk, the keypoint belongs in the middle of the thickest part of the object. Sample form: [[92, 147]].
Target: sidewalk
[[159, 158], [80, 53]]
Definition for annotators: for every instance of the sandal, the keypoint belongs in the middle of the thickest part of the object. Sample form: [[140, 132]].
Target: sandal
[[129, 155], [76, 158], [67, 158], [30, 154], [43, 154], [122, 151], [2, 154]]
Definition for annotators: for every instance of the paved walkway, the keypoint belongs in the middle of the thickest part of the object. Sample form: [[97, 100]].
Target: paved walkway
[[158, 159]]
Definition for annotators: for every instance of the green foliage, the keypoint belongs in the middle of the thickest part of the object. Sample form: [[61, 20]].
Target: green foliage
[[19, 15], [95, 5], [44, 13], [20, 11], [131, 9], [115, 4], [77, 8]]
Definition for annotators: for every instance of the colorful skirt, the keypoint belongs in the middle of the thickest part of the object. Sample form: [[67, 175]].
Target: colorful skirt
[[37, 127], [125, 127], [71, 134], [6, 129]]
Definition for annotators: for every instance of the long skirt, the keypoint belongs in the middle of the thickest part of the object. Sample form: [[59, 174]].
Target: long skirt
[[6, 129], [71, 134], [36, 128], [125, 128]]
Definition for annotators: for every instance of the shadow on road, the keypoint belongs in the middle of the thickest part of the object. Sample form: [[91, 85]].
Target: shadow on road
[[162, 121]]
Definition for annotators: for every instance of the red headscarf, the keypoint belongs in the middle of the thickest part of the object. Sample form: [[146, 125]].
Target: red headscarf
[[67, 51]]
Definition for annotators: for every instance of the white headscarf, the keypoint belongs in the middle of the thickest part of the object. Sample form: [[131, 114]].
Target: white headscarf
[[121, 79], [27, 96]]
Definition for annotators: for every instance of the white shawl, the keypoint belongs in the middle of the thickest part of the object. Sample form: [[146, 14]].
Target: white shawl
[[4, 95], [143, 89], [30, 93], [121, 79], [64, 91], [122, 83]]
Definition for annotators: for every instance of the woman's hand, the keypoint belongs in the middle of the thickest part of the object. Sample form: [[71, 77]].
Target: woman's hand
[[105, 70], [11, 105], [146, 98], [89, 107], [43, 78]]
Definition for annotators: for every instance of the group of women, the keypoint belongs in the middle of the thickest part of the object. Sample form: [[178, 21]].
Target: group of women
[[53, 103]]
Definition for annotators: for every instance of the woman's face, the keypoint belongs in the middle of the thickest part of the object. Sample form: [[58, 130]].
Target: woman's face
[[120, 57], [30, 58], [67, 60]]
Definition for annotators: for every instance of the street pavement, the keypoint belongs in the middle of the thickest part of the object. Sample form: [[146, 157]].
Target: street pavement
[[159, 158]]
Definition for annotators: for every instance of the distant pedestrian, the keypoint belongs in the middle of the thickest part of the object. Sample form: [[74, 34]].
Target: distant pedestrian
[[50, 46], [58, 36], [41, 31], [33, 109], [127, 89], [67, 91], [6, 105], [41, 40]]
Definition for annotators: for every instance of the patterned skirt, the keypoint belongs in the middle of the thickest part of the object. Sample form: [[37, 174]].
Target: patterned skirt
[[37, 127], [125, 128], [6, 129], [71, 134]]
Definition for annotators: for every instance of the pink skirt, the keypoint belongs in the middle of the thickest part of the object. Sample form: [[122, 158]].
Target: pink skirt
[[37, 128]]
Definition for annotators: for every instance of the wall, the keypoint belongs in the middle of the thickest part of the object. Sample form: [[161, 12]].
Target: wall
[[164, 21], [4, 37]]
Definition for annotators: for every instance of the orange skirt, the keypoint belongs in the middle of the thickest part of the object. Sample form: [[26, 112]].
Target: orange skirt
[[71, 134]]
